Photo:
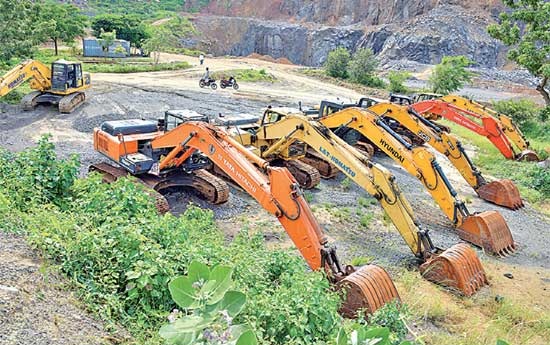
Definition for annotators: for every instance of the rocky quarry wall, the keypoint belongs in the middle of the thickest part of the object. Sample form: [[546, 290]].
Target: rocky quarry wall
[[305, 31]]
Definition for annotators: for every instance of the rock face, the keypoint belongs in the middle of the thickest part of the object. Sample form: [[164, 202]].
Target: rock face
[[305, 31]]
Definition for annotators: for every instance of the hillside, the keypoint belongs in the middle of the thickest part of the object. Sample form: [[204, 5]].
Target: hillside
[[305, 31]]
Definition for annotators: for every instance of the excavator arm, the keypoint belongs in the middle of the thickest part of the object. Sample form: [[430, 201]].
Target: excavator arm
[[501, 192], [278, 193], [509, 128], [29, 69], [275, 138], [483, 229]]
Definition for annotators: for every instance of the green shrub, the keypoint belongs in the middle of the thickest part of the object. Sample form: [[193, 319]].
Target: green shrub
[[362, 68], [451, 74], [521, 111], [109, 239], [337, 63], [396, 81]]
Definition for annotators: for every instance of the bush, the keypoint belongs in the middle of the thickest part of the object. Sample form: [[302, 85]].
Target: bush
[[121, 254], [337, 63], [362, 67], [450, 75], [532, 120], [396, 81]]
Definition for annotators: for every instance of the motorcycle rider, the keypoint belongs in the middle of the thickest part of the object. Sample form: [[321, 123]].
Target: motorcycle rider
[[206, 76]]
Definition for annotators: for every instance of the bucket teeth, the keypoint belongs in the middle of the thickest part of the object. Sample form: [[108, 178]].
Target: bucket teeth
[[488, 230], [368, 288], [528, 155], [457, 268], [503, 193]]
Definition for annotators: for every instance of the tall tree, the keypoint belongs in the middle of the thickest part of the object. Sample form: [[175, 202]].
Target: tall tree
[[65, 22], [19, 32], [128, 27], [525, 28]]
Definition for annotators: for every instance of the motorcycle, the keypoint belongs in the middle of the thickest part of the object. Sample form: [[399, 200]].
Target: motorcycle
[[231, 82], [208, 83]]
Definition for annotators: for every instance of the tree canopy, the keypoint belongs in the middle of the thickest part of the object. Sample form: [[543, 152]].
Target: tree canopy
[[525, 28], [451, 74], [19, 32], [62, 22], [128, 27]]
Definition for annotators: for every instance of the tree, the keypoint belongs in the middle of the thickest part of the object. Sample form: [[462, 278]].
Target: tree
[[337, 63], [396, 81], [107, 38], [20, 30], [161, 39], [451, 74], [64, 22], [525, 28], [129, 27], [362, 67]]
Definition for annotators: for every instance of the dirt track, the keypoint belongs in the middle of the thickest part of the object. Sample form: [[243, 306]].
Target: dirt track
[[148, 95]]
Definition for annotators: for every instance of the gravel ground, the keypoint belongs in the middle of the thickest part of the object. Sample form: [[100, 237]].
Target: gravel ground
[[36, 305], [40, 312]]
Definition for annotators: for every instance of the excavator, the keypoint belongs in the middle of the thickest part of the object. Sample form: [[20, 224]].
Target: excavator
[[157, 169], [498, 128], [62, 84], [417, 130], [274, 188], [487, 229], [279, 134]]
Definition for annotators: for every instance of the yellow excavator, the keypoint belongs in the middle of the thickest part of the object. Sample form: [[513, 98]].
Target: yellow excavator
[[287, 136], [62, 84], [487, 229], [417, 130]]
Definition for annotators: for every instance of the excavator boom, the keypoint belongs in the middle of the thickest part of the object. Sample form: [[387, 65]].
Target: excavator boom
[[40, 73], [500, 192], [281, 131], [498, 128], [422, 164]]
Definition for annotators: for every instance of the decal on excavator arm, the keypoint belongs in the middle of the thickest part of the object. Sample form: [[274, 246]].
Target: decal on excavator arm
[[17, 81], [336, 161], [236, 173], [423, 136], [394, 152]]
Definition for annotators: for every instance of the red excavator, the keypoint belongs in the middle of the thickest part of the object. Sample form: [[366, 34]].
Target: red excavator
[[498, 128]]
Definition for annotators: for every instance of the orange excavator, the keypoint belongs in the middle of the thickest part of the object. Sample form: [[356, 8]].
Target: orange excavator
[[498, 128], [367, 288]]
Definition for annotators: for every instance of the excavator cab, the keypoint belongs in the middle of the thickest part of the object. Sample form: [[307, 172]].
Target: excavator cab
[[426, 97], [401, 99], [68, 75]]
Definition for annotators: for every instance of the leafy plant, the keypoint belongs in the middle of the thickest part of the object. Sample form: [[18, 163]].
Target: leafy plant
[[524, 28], [396, 81], [337, 63], [366, 335], [451, 74], [209, 309], [362, 67]]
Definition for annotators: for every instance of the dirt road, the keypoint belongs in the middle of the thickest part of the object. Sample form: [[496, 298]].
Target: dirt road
[[358, 231]]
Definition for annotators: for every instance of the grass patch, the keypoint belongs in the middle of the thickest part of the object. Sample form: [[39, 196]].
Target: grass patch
[[248, 75], [518, 317]]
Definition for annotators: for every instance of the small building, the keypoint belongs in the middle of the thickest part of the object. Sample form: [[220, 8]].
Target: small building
[[92, 47]]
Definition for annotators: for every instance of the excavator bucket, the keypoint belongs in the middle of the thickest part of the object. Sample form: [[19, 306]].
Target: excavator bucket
[[528, 156], [501, 192], [367, 289], [457, 268], [488, 230]]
